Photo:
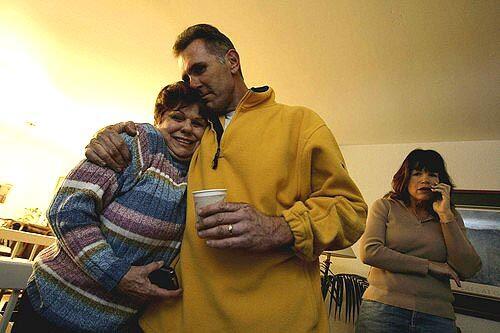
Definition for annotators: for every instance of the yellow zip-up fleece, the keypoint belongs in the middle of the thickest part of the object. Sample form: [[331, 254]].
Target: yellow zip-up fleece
[[284, 161]]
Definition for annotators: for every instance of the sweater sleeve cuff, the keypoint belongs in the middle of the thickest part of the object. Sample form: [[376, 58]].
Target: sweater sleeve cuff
[[297, 219], [115, 272], [423, 268], [448, 220]]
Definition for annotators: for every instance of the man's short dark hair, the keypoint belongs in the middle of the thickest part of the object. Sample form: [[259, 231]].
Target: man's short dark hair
[[216, 42]]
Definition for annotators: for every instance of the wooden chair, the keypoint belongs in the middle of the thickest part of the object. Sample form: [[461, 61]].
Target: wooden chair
[[14, 272], [21, 238], [5, 250]]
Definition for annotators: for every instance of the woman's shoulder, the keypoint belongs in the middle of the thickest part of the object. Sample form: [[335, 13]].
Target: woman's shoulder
[[147, 129], [383, 202], [148, 138], [143, 130], [387, 204]]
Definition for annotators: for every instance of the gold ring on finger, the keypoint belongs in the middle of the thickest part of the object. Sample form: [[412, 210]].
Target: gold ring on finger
[[230, 229]]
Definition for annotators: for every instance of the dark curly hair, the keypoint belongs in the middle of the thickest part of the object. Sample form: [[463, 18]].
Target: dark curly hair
[[420, 160], [174, 96]]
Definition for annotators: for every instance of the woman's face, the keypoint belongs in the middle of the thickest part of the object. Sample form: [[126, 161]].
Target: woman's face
[[182, 130], [419, 185]]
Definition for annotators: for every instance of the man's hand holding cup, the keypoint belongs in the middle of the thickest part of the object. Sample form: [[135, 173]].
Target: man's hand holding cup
[[237, 225]]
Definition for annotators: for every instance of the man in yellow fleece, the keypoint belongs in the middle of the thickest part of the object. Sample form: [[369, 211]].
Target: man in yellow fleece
[[251, 264]]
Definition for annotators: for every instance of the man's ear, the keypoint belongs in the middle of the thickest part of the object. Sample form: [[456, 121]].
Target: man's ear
[[233, 59]]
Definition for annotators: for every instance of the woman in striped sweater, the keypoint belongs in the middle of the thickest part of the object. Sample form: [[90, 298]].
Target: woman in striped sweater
[[115, 228]]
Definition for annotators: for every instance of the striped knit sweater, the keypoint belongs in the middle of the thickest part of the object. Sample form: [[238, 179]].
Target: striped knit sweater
[[105, 222]]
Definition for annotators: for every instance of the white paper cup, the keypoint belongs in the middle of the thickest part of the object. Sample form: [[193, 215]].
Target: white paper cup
[[207, 197]]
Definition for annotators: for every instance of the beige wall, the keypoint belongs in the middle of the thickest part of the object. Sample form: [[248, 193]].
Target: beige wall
[[471, 164]]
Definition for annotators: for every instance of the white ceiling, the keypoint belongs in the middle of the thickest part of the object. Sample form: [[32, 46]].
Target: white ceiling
[[376, 71]]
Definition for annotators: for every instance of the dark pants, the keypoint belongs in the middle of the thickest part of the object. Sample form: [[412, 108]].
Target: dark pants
[[375, 317], [27, 320]]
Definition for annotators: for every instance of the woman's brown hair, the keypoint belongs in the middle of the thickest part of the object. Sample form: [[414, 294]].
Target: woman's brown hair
[[420, 160], [175, 96]]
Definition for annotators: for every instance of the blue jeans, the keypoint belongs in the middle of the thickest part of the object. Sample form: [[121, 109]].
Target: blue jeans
[[375, 317]]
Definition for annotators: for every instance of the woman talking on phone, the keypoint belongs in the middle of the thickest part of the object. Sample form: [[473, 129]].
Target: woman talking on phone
[[415, 242]]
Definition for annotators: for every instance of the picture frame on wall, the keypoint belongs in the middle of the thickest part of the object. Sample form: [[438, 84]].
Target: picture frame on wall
[[4, 191], [479, 296]]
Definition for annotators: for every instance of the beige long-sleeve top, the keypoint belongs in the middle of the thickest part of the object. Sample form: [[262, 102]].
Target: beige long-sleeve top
[[399, 247]]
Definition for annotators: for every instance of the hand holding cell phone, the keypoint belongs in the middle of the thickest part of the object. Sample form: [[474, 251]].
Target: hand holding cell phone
[[136, 282], [436, 196], [441, 204], [165, 278]]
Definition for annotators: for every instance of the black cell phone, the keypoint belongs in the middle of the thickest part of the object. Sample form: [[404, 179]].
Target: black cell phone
[[436, 196], [165, 278]]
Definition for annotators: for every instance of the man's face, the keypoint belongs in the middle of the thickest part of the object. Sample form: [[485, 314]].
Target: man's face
[[207, 73]]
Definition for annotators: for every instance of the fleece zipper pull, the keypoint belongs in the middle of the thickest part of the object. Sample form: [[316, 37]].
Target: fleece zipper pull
[[215, 161], [217, 127]]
